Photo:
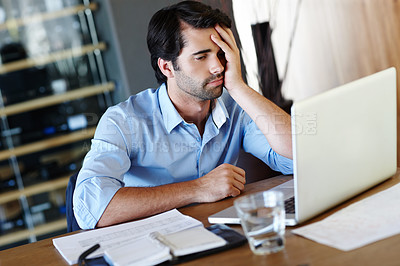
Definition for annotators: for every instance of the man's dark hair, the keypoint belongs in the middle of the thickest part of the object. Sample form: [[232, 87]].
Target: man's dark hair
[[164, 36]]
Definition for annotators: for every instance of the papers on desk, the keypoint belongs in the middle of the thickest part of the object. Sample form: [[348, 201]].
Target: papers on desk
[[364, 222], [157, 248], [70, 247]]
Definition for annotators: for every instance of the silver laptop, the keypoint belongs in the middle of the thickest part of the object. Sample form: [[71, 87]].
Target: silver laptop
[[344, 142]]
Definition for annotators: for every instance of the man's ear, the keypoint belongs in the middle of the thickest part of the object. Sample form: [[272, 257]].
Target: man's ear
[[166, 67]]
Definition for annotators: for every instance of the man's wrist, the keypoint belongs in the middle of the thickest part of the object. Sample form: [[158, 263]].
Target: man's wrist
[[238, 90], [195, 190]]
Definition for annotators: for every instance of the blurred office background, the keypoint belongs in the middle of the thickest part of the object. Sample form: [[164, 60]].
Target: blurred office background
[[63, 62]]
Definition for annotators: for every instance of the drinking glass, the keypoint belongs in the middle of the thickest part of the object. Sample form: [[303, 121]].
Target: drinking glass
[[262, 216]]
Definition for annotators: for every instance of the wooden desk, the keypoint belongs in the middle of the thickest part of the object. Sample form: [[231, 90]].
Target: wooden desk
[[298, 250]]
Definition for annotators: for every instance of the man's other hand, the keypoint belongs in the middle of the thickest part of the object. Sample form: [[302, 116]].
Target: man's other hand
[[224, 181]]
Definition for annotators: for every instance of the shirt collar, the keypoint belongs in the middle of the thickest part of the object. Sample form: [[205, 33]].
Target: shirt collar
[[172, 118], [170, 115], [219, 113]]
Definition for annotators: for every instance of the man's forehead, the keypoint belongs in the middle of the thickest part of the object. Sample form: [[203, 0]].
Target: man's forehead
[[198, 40]]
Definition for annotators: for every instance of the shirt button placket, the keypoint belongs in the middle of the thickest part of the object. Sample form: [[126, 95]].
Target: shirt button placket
[[199, 150]]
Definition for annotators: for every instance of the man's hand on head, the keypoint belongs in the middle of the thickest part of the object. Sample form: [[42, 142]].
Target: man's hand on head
[[226, 41], [224, 181]]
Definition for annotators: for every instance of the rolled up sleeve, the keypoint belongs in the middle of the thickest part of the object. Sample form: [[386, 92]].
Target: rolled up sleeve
[[91, 197], [102, 173], [256, 143]]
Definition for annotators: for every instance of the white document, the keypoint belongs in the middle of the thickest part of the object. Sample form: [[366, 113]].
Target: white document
[[70, 247], [143, 251], [190, 241], [157, 248], [364, 222]]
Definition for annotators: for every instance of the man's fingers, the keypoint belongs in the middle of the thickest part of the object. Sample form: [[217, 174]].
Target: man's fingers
[[225, 180], [240, 178], [235, 192], [238, 173], [239, 185], [222, 44], [226, 35]]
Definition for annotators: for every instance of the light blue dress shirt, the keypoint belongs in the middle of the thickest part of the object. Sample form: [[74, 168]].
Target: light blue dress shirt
[[145, 142]]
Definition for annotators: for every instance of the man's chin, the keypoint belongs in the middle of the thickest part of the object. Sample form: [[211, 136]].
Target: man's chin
[[212, 92], [217, 91], [220, 90]]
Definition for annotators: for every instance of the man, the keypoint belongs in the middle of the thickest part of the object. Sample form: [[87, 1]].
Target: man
[[166, 148]]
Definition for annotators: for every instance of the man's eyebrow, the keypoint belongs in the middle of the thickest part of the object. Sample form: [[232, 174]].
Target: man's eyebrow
[[202, 52]]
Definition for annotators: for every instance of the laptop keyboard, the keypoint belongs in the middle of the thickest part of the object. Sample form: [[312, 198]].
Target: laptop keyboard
[[289, 205]]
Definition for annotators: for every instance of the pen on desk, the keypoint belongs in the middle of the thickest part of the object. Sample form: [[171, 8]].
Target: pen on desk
[[83, 256]]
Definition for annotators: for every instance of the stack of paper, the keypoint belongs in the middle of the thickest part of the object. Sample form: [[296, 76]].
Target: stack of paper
[[144, 251], [157, 248], [364, 222], [70, 247]]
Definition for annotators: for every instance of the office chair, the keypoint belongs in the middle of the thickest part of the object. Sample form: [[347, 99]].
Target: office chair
[[72, 225]]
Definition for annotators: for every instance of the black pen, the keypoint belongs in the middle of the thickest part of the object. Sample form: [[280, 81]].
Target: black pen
[[83, 256]]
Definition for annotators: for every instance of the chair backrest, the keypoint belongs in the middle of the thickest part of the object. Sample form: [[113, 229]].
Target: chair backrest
[[72, 225]]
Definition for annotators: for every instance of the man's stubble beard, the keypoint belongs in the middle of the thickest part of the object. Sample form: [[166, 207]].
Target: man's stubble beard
[[199, 90]]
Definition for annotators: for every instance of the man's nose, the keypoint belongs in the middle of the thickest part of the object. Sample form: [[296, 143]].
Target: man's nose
[[216, 66]]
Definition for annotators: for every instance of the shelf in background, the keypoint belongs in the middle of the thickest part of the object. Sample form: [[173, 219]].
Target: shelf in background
[[38, 230], [18, 22], [51, 58], [48, 143], [56, 99], [35, 189], [85, 50]]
